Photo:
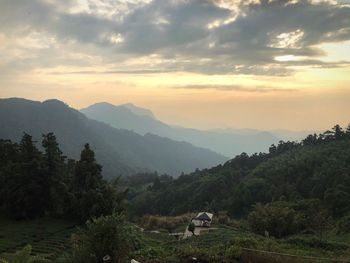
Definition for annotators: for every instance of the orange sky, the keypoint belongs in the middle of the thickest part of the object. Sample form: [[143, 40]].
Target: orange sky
[[301, 83]]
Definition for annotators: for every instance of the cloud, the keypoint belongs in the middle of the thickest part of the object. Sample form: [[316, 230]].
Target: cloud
[[203, 36], [241, 88]]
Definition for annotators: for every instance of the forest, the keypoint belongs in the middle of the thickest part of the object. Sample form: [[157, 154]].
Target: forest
[[317, 168], [35, 183], [265, 200]]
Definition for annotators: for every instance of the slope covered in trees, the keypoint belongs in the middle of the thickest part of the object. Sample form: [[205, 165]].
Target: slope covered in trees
[[35, 183], [121, 152], [318, 168]]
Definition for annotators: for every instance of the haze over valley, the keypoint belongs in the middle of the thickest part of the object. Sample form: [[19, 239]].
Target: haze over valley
[[228, 142]]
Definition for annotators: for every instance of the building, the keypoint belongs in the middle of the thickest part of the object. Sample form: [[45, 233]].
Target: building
[[203, 219]]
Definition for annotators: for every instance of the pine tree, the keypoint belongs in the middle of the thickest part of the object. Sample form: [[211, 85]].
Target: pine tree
[[93, 195], [54, 162], [27, 194], [87, 170]]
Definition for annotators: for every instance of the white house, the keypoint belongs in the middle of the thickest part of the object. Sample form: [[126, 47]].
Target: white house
[[203, 219]]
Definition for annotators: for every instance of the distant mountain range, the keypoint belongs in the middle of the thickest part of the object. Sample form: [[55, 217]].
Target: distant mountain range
[[120, 151], [228, 142]]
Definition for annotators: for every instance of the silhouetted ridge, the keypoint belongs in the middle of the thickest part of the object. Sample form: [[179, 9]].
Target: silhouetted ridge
[[119, 151]]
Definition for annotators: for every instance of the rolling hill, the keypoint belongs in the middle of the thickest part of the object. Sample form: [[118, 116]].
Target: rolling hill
[[316, 169]]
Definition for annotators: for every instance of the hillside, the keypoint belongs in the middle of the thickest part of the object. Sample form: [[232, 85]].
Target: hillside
[[318, 168], [120, 152], [142, 121]]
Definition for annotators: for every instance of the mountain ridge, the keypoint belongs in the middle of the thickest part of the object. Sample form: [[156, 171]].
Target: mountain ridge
[[121, 152], [224, 141]]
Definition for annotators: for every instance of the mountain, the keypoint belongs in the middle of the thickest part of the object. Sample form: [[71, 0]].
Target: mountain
[[121, 152], [138, 110], [226, 142]]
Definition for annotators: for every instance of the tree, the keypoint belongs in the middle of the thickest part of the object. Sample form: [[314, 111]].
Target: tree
[[87, 171], [8, 158], [191, 227], [272, 149], [338, 199], [27, 186], [107, 235], [92, 195], [54, 162], [311, 139], [278, 221], [338, 132], [320, 221], [348, 131]]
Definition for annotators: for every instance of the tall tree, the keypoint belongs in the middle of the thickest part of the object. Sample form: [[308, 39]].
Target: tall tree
[[87, 170], [93, 195], [27, 184], [54, 162], [348, 131], [338, 132]]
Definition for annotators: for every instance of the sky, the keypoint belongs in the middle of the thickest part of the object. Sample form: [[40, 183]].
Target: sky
[[264, 64]]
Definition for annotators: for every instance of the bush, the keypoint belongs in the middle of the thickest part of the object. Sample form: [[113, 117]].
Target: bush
[[23, 256], [106, 235], [245, 242], [233, 252], [151, 222], [343, 225], [273, 220]]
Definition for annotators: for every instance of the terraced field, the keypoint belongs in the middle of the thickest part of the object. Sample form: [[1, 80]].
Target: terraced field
[[50, 238]]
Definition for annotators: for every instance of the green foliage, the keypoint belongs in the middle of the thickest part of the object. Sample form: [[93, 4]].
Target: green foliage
[[343, 225], [34, 183], [273, 220], [93, 195], [317, 168], [23, 256], [169, 223], [56, 171], [25, 188], [106, 235]]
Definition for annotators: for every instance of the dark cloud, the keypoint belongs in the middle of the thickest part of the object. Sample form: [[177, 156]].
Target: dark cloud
[[195, 36]]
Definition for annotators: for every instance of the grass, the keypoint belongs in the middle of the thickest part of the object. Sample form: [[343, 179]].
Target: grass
[[48, 237], [218, 244]]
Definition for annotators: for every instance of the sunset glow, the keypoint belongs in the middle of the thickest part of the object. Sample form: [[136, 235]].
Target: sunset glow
[[193, 63]]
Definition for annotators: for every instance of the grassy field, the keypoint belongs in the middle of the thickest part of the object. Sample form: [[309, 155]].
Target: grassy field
[[225, 243], [49, 237]]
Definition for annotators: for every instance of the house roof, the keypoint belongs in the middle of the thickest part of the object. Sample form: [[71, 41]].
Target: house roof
[[204, 216]]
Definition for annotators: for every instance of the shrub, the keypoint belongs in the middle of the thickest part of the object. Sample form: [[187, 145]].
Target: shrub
[[278, 221], [106, 235], [343, 225], [233, 252], [23, 256], [246, 242], [151, 222]]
